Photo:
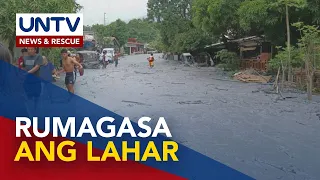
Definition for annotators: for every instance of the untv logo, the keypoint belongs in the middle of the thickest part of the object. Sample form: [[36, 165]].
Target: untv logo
[[49, 30]]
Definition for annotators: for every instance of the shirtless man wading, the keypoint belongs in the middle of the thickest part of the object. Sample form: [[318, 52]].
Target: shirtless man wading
[[68, 64]]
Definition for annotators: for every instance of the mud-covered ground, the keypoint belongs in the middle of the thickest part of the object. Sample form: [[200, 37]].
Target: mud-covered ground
[[235, 123]]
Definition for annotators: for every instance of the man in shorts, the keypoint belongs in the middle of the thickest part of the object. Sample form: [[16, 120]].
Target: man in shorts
[[32, 83], [116, 58], [68, 64]]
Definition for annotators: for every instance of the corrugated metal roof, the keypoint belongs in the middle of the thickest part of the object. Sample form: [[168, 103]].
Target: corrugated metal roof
[[240, 40]]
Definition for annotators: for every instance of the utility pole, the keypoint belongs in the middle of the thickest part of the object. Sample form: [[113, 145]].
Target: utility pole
[[104, 18]]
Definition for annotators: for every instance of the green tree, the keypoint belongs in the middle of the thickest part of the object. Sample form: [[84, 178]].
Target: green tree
[[287, 4], [119, 30], [271, 17], [230, 60], [309, 45], [218, 18], [142, 29], [190, 40], [282, 55], [173, 18], [157, 44], [100, 32], [314, 7]]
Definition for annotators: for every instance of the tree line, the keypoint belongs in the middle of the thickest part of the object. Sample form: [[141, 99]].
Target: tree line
[[141, 29], [290, 25], [185, 25], [188, 24]]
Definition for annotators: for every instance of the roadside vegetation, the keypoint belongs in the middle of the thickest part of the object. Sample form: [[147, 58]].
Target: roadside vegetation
[[189, 25], [229, 61], [291, 25], [141, 29]]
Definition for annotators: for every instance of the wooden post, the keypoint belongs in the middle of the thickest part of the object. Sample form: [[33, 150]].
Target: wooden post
[[241, 64]]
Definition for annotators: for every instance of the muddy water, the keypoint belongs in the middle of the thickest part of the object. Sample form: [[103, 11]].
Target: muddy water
[[235, 123]]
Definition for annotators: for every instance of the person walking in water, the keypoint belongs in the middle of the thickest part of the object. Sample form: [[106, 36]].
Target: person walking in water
[[151, 61], [68, 64], [105, 59], [46, 72], [32, 83], [116, 59]]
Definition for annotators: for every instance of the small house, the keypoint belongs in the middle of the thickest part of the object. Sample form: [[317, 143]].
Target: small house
[[254, 52], [134, 47]]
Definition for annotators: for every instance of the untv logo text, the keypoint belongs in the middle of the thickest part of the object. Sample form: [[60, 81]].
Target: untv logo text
[[49, 30], [49, 24]]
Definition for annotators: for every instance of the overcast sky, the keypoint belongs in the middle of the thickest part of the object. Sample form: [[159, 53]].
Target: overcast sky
[[93, 10]]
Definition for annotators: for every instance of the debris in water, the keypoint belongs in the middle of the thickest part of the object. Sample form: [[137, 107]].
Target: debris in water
[[177, 83], [222, 101], [251, 76], [286, 110], [134, 102], [300, 123], [170, 95], [191, 102], [221, 89], [142, 72]]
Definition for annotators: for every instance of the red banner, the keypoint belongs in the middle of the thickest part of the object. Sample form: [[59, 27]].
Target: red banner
[[49, 41]]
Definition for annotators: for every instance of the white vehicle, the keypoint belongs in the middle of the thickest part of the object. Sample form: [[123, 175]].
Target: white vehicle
[[187, 58], [110, 53]]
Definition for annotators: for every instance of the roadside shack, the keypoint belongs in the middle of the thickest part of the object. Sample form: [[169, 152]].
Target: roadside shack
[[255, 53]]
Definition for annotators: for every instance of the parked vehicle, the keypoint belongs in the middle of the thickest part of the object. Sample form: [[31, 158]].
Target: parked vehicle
[[110, 54], [204, 59], [89, 59], [187, 58]]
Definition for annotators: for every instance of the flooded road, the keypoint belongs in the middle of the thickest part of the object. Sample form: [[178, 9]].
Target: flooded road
[[232, 122]]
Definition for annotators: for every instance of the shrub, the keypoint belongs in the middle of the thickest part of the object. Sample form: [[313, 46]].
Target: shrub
[[296, 59], [229, 60]]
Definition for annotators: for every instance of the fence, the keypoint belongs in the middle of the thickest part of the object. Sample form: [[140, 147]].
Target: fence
[[253, 64], [300, 78], [259, 64]]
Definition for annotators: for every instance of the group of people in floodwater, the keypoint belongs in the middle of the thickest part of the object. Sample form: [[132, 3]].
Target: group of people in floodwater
[[38, 72], [38, 66], [106, 58]]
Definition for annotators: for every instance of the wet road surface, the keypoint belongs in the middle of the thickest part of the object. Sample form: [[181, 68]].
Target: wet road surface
[[235, 123]]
